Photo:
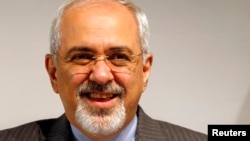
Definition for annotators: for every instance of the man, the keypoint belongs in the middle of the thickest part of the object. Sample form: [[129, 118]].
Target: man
[[99, 65]]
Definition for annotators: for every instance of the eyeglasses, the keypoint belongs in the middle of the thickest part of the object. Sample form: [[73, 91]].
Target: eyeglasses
[[121, 60]]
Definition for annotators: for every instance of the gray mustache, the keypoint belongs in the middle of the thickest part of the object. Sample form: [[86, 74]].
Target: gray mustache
[[92, 86]]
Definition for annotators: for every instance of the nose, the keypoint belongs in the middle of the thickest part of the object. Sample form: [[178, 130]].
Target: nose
[[101, 73]]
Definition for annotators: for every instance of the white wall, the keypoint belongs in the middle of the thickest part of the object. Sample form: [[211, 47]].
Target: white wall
[[201, 71]]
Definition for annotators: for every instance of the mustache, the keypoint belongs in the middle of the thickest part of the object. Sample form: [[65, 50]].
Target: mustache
[[92, 86]]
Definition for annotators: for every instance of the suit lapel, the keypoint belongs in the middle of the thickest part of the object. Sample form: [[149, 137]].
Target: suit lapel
[[147, 128], [56, 129]]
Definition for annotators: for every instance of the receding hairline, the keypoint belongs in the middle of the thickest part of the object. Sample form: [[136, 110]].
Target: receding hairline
[[78, 4], [105, 4], [82, 4]]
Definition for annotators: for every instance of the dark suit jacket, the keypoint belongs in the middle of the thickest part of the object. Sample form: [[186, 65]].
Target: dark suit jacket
[[59, 130]]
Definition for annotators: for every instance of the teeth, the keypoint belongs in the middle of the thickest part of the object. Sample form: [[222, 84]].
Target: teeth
[[101, 95]]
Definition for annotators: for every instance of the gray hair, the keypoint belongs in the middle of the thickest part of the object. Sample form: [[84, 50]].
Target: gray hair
[[143, 27]]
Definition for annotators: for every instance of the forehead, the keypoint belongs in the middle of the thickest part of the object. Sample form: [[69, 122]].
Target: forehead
[[105, 23]]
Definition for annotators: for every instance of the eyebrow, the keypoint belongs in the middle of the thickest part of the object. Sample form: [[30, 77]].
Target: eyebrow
[[120, 48], [79, 48]]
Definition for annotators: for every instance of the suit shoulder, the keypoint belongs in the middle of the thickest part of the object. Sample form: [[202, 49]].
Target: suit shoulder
[[32, 131], [180, 131], [149, 129], [27, 132]]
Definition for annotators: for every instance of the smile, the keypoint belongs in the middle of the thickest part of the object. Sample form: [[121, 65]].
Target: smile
[[100, 96], [101, 100]]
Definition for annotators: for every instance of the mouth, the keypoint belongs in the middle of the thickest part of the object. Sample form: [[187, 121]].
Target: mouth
[[101, 100], [100, 97]]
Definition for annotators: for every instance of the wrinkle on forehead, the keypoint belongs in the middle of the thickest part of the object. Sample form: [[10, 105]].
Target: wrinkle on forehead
[[92, 3], [97, 23], [111, 6]]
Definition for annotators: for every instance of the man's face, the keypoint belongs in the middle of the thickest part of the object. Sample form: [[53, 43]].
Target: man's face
[[99, 30]]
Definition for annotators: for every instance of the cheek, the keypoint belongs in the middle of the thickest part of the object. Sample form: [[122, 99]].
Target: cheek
[[69, 79], [133, 84], [68, 83]]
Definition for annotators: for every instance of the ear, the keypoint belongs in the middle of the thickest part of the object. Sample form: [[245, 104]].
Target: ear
[[147, 69], [50, 65]]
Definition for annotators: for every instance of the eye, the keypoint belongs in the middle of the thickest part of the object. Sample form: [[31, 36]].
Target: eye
[[82, 58], [119, 56]]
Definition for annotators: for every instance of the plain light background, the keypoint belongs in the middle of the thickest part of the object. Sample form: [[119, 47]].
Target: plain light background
[[201, 70]]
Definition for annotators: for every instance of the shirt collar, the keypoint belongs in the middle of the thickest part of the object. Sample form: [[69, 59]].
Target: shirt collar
[[127, 134]]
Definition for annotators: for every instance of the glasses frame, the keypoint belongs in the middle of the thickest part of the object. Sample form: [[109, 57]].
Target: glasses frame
[[115, 68]]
